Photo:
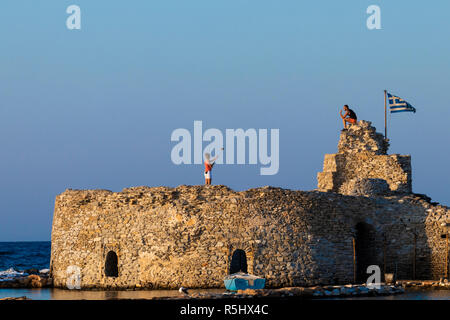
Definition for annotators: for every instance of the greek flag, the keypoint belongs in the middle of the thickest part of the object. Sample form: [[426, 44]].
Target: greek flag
[[397, 104]]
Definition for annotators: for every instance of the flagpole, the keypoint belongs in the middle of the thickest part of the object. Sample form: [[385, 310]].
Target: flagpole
[[385, 116]]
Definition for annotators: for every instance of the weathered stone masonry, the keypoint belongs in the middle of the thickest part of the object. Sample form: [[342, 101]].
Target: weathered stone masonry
[[186, 236], [362, 154]]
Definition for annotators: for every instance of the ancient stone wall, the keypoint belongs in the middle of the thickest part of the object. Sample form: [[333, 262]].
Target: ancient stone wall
[[186, 236], [362, 155], [365, 187], [193, 236]]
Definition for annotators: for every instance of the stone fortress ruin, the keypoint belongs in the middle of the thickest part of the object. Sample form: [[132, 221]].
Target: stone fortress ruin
[[363, 213]]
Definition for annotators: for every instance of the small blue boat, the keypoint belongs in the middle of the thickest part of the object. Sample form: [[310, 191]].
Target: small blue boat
[[242, 281]]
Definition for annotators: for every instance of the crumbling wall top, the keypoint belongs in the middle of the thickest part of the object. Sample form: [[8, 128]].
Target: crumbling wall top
[[362, 137]]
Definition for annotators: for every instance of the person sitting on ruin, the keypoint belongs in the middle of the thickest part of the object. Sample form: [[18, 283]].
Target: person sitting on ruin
[[349, 116], [209, 163]]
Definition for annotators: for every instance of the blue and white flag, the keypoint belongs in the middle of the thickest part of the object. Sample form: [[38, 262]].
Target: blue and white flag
[[397, 104]]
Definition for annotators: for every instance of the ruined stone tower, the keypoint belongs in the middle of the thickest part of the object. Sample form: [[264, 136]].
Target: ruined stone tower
[[362, 165], [192, 236]]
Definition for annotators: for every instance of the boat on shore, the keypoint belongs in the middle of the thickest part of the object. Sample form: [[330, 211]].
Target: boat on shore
[[243, 281]]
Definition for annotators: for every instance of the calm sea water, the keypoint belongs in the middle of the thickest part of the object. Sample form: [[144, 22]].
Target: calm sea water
[[60, 294], [15, 257]]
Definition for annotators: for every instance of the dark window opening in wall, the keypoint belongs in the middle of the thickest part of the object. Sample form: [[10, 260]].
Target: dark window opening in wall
[[365, 250], [238, 262], [111, 269]]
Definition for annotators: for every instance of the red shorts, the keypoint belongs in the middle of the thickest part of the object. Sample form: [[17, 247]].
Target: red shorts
[[352, 121]]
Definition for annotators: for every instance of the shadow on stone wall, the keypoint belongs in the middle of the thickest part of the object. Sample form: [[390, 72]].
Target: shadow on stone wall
[[365, 248], [111, 268], [410, 244], [238, 261]]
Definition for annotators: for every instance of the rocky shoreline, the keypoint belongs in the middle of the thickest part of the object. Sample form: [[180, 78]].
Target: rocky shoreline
[[33, 280], [315, 292], [43, 280], [442, 284], [15, 298]]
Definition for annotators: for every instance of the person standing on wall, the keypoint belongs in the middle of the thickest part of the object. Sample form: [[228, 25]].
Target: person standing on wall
[[349, 116], [209, 163]]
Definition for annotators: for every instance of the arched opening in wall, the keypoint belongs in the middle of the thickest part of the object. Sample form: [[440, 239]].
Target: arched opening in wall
[[365, 250], [111, 268], [238, 261]]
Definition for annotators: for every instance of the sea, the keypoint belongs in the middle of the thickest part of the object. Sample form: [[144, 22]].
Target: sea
[[16, 258]]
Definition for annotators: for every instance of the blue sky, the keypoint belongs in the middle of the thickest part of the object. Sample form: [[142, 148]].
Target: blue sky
[[95, 108]]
